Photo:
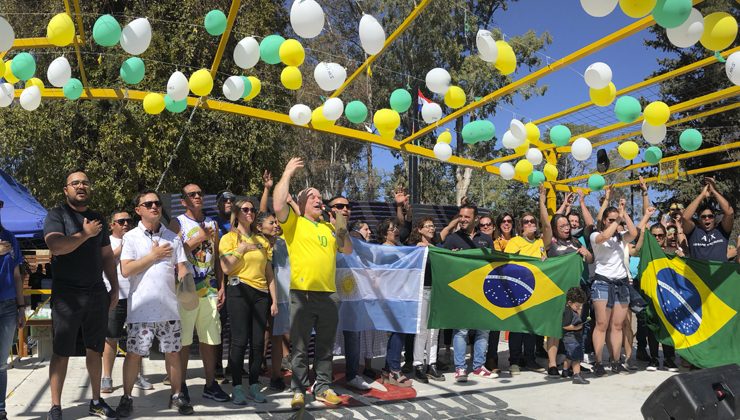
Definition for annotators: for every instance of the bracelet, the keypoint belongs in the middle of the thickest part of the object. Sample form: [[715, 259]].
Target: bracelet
[[237, 254]]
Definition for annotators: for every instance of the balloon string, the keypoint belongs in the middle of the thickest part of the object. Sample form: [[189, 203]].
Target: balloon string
[[719, 57], [177, 146]]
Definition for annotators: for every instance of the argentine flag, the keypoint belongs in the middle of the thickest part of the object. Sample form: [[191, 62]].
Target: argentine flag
[[380, 287]]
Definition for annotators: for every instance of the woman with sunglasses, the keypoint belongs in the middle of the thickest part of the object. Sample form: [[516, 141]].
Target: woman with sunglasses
[[246, 259], [530, 244], [504, 231], [485, 225], [610, 289]]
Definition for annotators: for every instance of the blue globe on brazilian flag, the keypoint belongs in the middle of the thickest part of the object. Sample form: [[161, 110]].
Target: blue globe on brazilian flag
[[693, 305], [489, 290]]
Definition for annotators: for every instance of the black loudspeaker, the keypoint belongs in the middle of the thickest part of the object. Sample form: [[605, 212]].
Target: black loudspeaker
[[703, 394], [602, 161]]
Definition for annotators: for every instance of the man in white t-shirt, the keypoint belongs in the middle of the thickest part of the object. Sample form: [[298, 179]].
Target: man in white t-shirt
[[150, 255]]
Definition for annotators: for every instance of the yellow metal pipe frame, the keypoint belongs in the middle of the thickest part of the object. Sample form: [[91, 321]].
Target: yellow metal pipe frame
[[233, 10], [697, 171], [405, 24], [76, 42], [34, 43]]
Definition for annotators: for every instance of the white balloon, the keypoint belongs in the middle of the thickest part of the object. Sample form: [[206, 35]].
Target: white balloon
[[300, 114], [59, 72], [581, 149], [329, 76], [689, 32], [487, 49], [136, 36], [333, 109], [598, 75], [431, 112], [233, 88], [372, 35], [7, 35], [732, 68], [534, 156], [599, 8], [507, 171], [510, 141], [31, 98], [306, 18], [247, 53], [7, 92], [177, 86], [517, 130], [442, 151], [653, 134], [438, 80]]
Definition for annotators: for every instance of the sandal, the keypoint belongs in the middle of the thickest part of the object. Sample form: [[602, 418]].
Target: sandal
[[398, 379]]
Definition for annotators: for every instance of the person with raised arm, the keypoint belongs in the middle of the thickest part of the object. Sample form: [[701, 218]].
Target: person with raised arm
[[708, 240]]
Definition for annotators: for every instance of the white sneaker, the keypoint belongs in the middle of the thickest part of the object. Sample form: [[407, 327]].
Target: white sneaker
[[358, 382], [142, 383]]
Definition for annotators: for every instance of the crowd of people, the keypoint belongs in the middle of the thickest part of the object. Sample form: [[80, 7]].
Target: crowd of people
[[216, 277]]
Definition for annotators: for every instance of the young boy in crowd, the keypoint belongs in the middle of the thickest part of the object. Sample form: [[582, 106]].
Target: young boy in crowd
[[572, 335]]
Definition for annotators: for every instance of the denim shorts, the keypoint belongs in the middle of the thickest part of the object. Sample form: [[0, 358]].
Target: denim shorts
[[573, 350], [600, 291]]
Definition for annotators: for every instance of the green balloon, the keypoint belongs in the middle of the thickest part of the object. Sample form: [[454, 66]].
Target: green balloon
[[106, 31], [671, 13], [270, 49], [23, 66], [356, 112], [175, 107], [215, 22], [536, 178], [596, 182], [652, 155], [132, 70], [560, 135], [400, 100], [247, 86], [477, 131], [72, 89], [689, 140], [627, 109]]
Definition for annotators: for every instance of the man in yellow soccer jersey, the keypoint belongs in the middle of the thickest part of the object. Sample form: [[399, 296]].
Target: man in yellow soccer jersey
[[312, 247]]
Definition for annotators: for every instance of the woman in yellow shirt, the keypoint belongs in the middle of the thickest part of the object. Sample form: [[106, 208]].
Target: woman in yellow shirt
[[246, 260], [504, 231]]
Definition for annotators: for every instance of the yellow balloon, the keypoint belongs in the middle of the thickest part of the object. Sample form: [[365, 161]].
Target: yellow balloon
[[2, 67], [637, 8], [657, 113], [291, 78], [506, 61], [35, 81], [455, 97], [720, 30], [551, 172], [318, 120], [387, 121], [628, 150], [523, 168], [153, 103], [291, 53], [445, 137], [201, 82], [256, 88], [8, 75], [603, 97], [533, 132], [522, 149], [61, 30]]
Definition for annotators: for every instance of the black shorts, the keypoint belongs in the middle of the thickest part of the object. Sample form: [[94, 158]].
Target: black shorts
[[116, 320], [72, 310]]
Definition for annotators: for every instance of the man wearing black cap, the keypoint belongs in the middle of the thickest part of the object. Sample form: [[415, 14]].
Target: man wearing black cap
[[224, 201]]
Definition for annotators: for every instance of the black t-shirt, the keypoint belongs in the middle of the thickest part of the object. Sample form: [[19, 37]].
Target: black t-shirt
[[81, 269], [458, 240], [571, 318], [709, 245]]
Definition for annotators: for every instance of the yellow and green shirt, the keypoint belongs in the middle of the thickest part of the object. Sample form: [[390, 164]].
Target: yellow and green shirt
[[312, 252], [251, 267], [522, 246]]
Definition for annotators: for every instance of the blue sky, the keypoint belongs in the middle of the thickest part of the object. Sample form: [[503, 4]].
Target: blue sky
[[571, 28]]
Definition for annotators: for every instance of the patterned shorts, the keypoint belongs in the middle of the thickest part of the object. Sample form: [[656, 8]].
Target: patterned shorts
[[141, 335]]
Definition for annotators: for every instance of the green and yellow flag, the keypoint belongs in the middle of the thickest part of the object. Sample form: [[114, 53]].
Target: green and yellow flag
[[693, 305], [489, 290]]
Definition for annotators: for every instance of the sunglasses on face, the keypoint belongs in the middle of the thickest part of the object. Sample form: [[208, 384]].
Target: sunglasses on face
[[509, 221], [342, 206], [193, 194], [78, 183], [247, 210], [150, 204], [659, 236], [429, 226], [485, 225], [707, 216], [122, 222], [611, 220], [527, 221]]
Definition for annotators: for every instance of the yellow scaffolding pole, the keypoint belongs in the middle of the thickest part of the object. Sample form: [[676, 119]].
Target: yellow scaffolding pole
[[405, 24], [77, 41], [35, 43], [233, 10], [697, 171]]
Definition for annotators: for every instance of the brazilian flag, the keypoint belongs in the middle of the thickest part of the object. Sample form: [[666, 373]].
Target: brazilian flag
[[488, 290], [693, 305]]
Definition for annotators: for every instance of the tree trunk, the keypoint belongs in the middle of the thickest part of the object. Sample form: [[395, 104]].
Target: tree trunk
[[462, 175]]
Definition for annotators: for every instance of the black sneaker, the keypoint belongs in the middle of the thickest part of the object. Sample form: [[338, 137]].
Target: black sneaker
[[277, 384], [566, 373], [183, 406], [599, 370], [55, 413], [214, 392], [184, 392], [533, 366], [407, 367], [125, 407], [553, 371], [102, 410], [619, 368], [670, 365], [652, 366], [434, 374], [642, 355], [579, 380], [3, 415], [421, 374]]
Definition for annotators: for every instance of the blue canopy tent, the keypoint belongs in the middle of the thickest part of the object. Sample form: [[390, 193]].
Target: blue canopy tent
[[21, 214]]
